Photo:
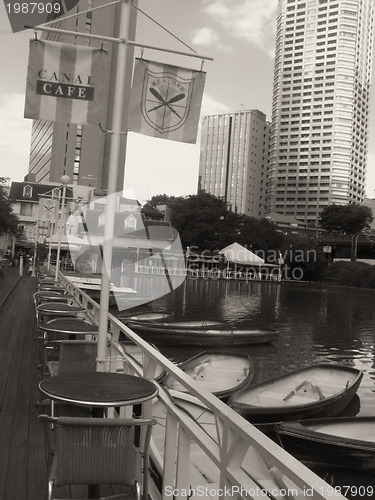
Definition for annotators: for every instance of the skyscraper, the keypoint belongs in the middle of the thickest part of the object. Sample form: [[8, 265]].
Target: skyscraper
[[82, 151], [234, 158], [320, 112]]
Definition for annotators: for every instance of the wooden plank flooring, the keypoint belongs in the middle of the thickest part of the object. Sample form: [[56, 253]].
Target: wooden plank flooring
[[23, 449], [23, 470]]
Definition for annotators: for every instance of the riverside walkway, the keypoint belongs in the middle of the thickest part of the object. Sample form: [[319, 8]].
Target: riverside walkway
[[23, 466]]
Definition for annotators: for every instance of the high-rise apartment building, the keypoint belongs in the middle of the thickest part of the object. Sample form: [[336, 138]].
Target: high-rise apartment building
[[234, 158], [320, 112], [82, 151]]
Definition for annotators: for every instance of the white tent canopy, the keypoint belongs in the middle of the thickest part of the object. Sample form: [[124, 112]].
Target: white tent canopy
[[240, 255]]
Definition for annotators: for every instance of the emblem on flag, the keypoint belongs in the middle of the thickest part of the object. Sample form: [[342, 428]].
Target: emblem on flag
[[166, 101], [65, 83], [48, 209]]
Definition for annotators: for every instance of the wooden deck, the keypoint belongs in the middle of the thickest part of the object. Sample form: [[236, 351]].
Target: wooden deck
[[23, 455], [23, 465]]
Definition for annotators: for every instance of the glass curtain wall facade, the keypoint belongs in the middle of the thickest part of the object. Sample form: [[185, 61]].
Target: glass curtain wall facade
[[234, 159], [319, 133]]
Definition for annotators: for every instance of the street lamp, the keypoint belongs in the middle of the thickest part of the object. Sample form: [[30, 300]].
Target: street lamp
[[65, 179]]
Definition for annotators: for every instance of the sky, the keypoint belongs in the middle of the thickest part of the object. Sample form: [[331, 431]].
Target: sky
[[238, 34]]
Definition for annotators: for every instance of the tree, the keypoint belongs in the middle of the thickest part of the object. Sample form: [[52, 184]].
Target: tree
[[204, 221], [347, 219], [201, 221], [8, 220]]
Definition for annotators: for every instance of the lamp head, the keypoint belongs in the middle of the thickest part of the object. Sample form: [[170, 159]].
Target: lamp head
[[65, 179]]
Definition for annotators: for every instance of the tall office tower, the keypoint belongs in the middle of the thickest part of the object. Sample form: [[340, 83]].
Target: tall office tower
[[82, 151], [320, 113], [234, 158]]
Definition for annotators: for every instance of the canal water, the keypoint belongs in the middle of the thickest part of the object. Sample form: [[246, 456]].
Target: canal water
[[316, 323]]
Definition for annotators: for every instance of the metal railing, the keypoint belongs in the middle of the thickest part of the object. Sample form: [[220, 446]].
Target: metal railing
[[226, 447]]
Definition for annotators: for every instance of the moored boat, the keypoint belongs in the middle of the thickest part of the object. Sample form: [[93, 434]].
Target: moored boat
[[146, 316], [344, 442], [200, 333], [219, 373], [321, 390]]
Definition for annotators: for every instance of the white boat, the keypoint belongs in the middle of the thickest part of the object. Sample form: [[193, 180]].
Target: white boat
[[321, 390], [219, 373], [343, 442]]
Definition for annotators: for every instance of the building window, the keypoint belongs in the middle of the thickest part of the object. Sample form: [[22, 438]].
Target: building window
[[101, 220], [131, 222], [26, 209], [27, 192]]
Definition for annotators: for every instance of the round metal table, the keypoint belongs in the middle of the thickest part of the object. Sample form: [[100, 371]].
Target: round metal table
[[70, 326], [59, 308], [98, 389]]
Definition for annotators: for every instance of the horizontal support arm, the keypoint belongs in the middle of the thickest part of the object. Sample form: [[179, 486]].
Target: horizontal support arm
[[118, 40]]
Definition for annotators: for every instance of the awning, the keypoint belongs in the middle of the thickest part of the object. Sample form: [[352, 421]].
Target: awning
[[240, 255]]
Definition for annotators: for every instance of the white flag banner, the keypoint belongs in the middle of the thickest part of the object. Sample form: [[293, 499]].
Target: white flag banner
[[166, 101], [48, 209], [65, 83]]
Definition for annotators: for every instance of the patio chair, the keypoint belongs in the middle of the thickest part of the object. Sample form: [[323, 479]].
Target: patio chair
[[100, 451], [69, 356]]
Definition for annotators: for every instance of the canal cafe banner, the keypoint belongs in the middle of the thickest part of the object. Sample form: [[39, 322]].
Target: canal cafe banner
[[65, 83]]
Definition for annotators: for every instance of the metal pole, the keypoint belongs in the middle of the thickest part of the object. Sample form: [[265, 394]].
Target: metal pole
[[121, 97], [51, 225], [33, 271], [21, 266], [64, 179], [89, 36]]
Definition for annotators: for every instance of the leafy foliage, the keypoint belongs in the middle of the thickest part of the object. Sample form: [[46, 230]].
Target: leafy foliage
[[356, 274], [346, 219], [303, 257], [8, 220], [205, 224]]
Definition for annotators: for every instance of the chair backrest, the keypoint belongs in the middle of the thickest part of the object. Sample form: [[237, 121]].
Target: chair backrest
[[77, 356], [101, 450]]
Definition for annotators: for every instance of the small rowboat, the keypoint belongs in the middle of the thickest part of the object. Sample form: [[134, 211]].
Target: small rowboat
[[347, 442], [146, 316], [322, 390], [200, 333], [219, 373]]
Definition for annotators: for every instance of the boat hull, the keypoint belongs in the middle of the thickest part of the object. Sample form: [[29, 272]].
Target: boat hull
[[347, 443], [219, 373], [319, 391], [204, 335]]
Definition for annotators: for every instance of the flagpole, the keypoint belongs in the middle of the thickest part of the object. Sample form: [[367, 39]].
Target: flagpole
[[121, 97]]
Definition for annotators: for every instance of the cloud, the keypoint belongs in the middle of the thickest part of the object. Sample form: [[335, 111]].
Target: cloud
[[15, 133], [250, 20], [211, 106], [205, 37]]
